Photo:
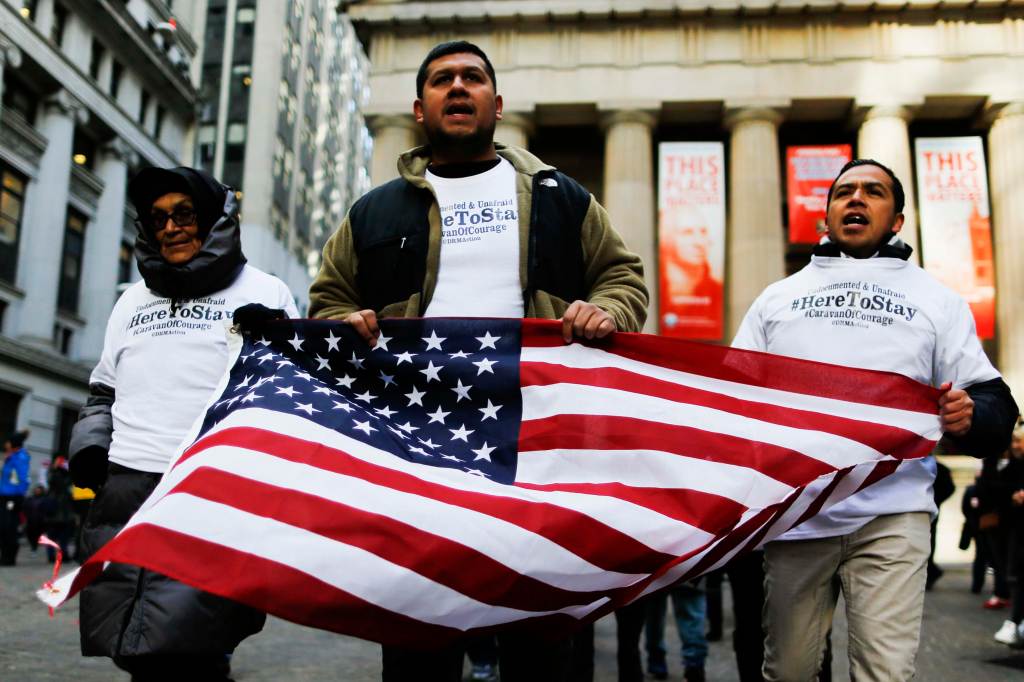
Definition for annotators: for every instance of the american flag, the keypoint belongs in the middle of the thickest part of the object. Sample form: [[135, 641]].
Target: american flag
[[474, 474]]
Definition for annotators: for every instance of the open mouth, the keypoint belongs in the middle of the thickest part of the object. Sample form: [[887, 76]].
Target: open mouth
[[459, 109], [855, 219]]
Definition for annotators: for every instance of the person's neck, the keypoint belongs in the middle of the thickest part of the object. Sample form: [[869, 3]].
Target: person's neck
[[441, 157]]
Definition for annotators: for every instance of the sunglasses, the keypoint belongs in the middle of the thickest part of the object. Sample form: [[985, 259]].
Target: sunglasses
[[182, 217]]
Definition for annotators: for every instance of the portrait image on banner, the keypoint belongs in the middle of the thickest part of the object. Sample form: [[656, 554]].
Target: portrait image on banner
[[956, 236], [810, 170], [691, 239]]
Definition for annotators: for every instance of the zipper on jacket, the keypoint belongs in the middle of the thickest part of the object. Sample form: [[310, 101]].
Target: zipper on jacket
[[531, 253]]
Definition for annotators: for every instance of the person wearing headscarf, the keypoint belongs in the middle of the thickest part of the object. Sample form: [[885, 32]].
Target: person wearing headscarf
[[164, 353]]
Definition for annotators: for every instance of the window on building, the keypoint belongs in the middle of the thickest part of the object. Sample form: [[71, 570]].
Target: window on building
[[66, 418], [207, 139], [12, 198], [71, 262], [83, 149], [116, 72], [96, 59], [9, 402], [28, 12], [60, 23], [62, 338], [158, 125], [124, 262], [143, 106], [18, 97]]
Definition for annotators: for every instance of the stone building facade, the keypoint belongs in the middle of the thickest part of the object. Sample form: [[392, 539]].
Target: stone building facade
[[593, 86], [92, 91]]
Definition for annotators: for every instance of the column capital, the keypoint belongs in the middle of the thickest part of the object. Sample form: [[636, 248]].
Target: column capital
[[64, 102], [613, 117], [120, 150], [738, 115], [519, 119], [377, 122], [10, 55], [901, 111]]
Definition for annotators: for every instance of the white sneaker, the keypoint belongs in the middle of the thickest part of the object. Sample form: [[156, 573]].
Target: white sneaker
[[1008, 633]]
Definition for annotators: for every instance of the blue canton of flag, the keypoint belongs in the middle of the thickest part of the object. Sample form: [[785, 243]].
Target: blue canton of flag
[[431, 391]]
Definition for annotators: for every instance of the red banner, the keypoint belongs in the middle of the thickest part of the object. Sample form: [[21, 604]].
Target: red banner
[[691, 237], [810, 171], [956, 236]]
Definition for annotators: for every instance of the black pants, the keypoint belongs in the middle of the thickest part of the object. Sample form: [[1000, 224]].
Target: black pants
[[629, 623], [746, 579], [10, 519], [168, 668], [521, 658]]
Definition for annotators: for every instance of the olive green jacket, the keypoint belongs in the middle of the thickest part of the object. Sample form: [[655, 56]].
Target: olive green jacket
[[613, 274]]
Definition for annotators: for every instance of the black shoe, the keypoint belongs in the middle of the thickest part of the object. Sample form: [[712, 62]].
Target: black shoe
[[657, 667], [694, 675], [933, 577], [714, 635]]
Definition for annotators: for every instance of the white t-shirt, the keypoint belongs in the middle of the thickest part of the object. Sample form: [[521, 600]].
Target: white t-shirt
[[478, 273], [165, 363], [877, 313]]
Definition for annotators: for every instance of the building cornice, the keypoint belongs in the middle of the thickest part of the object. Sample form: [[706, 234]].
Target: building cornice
[[45, 362], [449, 12]]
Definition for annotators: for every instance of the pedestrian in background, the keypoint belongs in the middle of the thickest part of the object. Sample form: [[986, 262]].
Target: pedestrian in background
[[689, 606], [995, 488], [13, 488], [1012, 517], [59, 514]]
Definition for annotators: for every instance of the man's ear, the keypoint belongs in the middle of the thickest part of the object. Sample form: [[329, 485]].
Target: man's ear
[[417, 110], [897, 223], [498, 104]]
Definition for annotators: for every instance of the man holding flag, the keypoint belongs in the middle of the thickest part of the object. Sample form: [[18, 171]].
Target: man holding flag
[[477, 229], [862, 303]]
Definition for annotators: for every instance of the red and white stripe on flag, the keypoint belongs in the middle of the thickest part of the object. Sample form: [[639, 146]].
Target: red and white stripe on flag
[[642, 461]]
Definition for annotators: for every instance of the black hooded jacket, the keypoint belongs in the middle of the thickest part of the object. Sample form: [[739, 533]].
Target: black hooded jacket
[[220, 258]]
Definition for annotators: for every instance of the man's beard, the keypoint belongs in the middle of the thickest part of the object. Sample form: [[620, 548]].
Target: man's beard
[[462, 146]]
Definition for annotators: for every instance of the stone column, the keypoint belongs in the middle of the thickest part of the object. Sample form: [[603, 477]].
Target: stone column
[[755, 240], [514, 129], [47, 204], [629, 191], [392, 135], [102, 247], [10, 55], [883, 136], [1006, 170]]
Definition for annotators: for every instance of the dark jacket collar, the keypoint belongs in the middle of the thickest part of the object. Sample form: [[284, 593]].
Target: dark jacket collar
[[894, 248]]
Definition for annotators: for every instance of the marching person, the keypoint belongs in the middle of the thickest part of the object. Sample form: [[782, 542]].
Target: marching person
[[477, 228], [862, 303], [164, 353], [13, 488]]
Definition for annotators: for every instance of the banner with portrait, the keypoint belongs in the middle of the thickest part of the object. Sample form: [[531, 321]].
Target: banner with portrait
[[691, 239], [956, 236], [810, 170]]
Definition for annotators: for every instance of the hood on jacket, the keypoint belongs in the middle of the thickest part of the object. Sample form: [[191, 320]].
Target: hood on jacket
[[894, 248], [220, 257], [412, 165]]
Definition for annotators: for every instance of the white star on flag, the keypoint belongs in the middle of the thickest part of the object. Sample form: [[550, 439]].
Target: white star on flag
[[250, 396], [385, 412], [332, 341], [483, 453], [345, 381], [323, 389], [434, 341], [365, 397], [364, 427], [263, 342], [458, 354], [405, 357], [388, 379], [487, 341], [306, 407], [429, 443], [416, 397], [322, 363], [485, 366], [462, 391], [490, 412], [461, 433], [244, 383], [265, 357], [296, 343], [432, 372], [437, 416], [382, 342], [341, 406], [356, 361], [288, 391], [408, 428]]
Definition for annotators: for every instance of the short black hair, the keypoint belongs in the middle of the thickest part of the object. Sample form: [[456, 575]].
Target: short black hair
[[898, 196], [17, 439], [445, 49]]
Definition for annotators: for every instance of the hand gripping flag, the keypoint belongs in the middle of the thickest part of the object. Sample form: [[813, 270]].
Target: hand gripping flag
[[468, 475]]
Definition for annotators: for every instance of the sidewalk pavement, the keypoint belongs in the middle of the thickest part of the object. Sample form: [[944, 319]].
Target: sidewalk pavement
[[956, 642]]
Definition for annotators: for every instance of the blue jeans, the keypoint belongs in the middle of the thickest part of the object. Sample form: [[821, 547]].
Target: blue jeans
[[690, 606]]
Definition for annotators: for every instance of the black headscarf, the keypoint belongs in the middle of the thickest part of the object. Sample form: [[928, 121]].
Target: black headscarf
[[220, 257]]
